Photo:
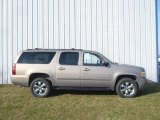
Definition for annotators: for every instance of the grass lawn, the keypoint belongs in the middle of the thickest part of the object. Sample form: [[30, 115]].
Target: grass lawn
[[17, 103]]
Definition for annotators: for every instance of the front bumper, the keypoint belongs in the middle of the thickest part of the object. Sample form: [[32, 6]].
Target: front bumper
[[141, 82]]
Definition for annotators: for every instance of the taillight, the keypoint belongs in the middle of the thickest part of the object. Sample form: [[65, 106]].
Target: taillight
[[13, 69]]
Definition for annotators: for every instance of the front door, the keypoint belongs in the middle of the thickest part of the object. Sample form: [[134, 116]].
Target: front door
[[68, 69], [93, 72]]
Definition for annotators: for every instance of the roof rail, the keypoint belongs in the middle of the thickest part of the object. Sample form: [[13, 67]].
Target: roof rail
[[75, 49], [53, 49], [35, 49]]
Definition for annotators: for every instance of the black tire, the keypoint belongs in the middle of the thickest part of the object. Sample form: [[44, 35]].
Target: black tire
[[40, 87], [126, 88]]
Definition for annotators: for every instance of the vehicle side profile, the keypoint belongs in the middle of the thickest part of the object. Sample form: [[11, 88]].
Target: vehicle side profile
[[44, 70]]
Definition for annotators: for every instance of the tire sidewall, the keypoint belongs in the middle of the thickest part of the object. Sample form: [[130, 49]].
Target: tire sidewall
[[126, 80], [47, 85]]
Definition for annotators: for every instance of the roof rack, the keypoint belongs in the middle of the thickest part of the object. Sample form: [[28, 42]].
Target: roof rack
[[53, 49], [75, 49], [35, 49]]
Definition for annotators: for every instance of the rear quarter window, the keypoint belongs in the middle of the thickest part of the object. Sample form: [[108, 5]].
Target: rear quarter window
[[36, 57]]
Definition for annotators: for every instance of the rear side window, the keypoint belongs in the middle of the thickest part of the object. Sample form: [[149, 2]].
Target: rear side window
[[69, 58], [36, 57]]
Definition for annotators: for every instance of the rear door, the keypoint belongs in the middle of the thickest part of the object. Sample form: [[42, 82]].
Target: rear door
[[68, 69]]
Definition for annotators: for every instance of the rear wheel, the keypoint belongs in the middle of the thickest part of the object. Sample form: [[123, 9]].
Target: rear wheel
[[40, 87], [127, 88]]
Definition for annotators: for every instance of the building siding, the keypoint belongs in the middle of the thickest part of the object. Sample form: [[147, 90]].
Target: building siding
[[122, 30]]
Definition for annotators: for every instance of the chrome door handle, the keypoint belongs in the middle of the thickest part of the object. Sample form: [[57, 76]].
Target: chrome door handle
[[61, 68], [86, 69]]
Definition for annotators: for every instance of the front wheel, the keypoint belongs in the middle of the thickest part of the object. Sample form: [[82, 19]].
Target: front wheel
[[127, 88], [40, 87]]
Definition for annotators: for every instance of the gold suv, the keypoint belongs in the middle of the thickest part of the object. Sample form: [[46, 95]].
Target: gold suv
[[45, 69]]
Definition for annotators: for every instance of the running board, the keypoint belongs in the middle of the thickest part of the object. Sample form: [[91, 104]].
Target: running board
[[84, 88]]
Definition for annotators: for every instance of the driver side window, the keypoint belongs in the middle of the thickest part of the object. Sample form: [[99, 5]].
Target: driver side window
[[92, 59]]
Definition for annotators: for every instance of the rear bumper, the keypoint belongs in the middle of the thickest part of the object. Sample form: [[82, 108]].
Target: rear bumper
[[141, 82], [19, 80]]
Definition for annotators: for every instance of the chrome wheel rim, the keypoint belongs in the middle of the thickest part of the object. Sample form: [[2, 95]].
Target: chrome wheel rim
[[39, 88], [127, 89]]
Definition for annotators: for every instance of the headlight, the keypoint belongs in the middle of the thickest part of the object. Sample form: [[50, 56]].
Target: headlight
[[142, 74]]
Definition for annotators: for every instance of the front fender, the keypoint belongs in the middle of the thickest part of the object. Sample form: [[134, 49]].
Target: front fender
[[115, 76]]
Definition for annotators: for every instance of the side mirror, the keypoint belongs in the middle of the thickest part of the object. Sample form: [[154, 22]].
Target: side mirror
[[105, 64]]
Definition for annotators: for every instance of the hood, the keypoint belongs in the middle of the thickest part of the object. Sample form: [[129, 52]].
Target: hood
[[130, 67]]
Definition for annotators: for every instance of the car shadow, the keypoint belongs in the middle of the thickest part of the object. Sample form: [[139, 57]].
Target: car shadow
[[81, 92], [149, 88]]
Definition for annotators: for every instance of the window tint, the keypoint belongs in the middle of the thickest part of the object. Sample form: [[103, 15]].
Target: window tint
[[36, 57], [69, 58], [92, 59]]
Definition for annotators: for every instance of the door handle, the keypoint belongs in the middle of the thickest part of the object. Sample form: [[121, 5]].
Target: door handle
[[86, 69], [61, 68]]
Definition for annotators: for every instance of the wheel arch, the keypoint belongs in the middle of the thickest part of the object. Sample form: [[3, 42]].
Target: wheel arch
[[119, 77], [38, 75]]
